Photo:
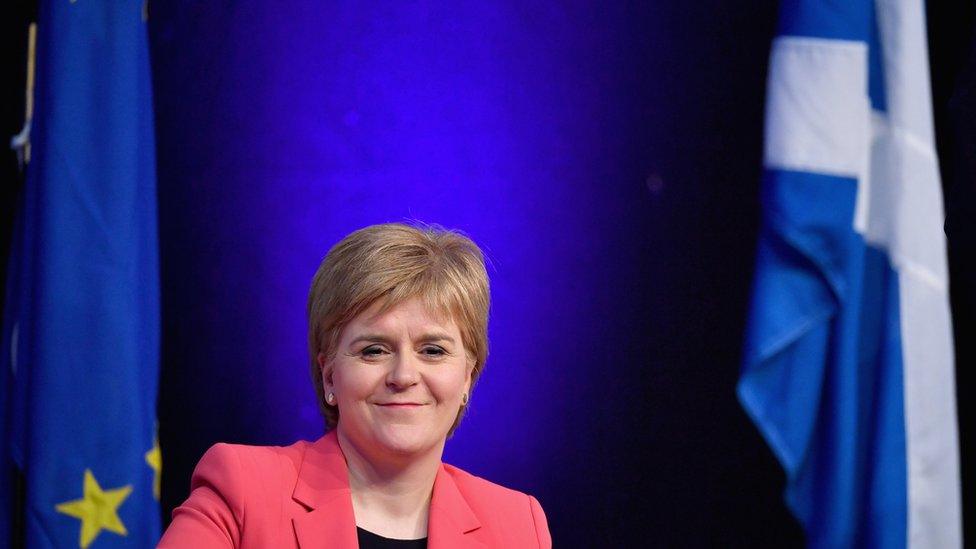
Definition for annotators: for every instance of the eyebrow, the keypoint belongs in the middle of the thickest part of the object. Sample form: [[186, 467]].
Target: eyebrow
[[426, 338]]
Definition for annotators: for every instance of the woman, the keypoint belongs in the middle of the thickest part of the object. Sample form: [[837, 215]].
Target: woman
[[398, 321]]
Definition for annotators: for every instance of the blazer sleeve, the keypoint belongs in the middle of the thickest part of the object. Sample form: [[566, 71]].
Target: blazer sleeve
[[212, 516], [541, 525]]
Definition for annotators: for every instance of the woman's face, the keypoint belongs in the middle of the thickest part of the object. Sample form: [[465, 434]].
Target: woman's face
[[398, 378]]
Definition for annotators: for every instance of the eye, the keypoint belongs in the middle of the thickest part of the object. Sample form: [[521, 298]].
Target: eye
[[373, 351], [433, 351]]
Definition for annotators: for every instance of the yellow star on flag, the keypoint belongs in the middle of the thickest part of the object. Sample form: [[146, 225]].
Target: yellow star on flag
[[97, 509], [154, 458]]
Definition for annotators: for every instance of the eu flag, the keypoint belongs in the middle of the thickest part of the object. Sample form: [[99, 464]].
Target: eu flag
[[80, 335], [848, 368]]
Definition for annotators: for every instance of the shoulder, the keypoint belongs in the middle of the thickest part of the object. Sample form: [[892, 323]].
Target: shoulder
[[479, 488], [235, 468], [509, 513], [230, 460], [231, 484]]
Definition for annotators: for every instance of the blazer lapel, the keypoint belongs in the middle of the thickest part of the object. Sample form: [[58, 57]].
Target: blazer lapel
[[323, 488], [451, 518]]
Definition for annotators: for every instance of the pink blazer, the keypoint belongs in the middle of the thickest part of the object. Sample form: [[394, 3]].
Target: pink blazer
[[298, 496]]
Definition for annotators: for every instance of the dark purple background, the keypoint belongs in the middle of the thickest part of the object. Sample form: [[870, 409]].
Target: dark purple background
[[606, 158]]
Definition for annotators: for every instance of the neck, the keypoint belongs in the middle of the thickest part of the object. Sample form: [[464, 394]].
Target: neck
[[391, 493]]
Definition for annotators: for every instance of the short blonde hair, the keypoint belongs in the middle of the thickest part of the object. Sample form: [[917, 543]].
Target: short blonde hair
[[391, 263]]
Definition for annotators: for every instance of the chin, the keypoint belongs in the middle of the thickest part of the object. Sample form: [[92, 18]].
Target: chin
[[407, 439]]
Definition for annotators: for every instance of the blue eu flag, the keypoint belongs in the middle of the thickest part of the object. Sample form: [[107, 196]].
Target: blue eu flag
[[80, 338]]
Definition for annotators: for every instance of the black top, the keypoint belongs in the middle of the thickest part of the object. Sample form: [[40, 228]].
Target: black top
[[369, 540]]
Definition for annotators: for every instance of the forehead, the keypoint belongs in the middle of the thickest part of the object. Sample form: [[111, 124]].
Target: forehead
[[413, 313]]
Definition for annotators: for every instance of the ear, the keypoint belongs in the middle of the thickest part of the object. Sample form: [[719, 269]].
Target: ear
[[325, 370], [468, 377]]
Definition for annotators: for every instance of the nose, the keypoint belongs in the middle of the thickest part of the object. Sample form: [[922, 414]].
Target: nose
[[403, 372]]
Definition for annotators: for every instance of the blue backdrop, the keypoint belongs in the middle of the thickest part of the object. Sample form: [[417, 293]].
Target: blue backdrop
[[605, 157]]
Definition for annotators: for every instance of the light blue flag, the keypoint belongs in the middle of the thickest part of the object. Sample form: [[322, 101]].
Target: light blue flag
[[80, 350], [848, 368]]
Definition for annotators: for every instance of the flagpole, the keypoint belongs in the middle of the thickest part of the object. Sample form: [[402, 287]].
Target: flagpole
[[20, 144]]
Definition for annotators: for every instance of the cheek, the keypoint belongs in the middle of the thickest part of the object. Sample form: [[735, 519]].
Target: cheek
[[350, 381], [448, 385]]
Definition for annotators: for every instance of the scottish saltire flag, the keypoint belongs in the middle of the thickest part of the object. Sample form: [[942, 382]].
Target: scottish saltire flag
[[80, 342], [848, 365]]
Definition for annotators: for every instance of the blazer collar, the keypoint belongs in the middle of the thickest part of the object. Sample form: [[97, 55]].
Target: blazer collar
[[323, 488], [450, 515]]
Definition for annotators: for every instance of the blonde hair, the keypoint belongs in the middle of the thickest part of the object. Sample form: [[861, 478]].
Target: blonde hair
[[391, 263]]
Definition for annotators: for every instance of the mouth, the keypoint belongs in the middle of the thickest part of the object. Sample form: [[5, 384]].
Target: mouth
[[399, 405]]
